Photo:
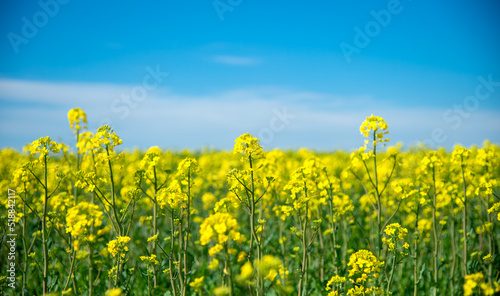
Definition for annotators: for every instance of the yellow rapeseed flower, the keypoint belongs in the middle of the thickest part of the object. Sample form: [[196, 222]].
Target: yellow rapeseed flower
[[249, 146], [76, 116]]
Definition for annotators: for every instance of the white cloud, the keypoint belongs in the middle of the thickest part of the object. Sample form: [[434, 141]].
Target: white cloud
[[31, 109], [236, 60]]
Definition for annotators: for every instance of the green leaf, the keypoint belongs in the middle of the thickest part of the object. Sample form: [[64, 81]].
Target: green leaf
[[421, 276]]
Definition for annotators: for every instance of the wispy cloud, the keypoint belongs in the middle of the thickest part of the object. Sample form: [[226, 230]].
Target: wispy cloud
[[236, 60], [169, 119]]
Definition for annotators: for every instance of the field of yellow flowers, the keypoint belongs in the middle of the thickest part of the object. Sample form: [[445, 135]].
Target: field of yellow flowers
[[94, 220]]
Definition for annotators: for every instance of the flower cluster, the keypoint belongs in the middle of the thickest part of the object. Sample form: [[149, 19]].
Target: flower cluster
[[301, 180], [76, 116], [268, 266], [249, 146], [80, 218], [335, 282], [364, 270], [395, 233], [342, 205], [495, 208], [474, 283], [187, 167], [197, 284], [220, 227], [105, 139], [431, 161], [118, 246], [43, 147], [151, 158], [171, 196], [378, 126], [150, 260], [487, 156], [459, 155], [246, 273]]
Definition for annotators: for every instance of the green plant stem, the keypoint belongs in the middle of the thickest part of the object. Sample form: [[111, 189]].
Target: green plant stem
[[490, 242], [464, 221], [229, 271], [333, 226], [434, 228], [25, 251], [377, 195], [155, 223], [187, 231], [44, 229], [253, 235], [149, 284], [180, 273], [453, 251], [392, 274], [172, 245], [415, 256], [70, 273], [322, 251], [303, 271], [75, 189], [118, 269], [113, 194]]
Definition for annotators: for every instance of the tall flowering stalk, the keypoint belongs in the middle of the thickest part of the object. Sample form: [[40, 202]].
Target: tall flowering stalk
[[376, 127], [185, 173], [221, 229], [80, 221], [150, 163], [459, 157], [429, 164], [102, 146], [300, 185], [43, 147], [250, 149], [118, 248], [488, 159], [394, 239], [77, 121]]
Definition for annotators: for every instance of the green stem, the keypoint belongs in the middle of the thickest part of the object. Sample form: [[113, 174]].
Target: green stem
[[113, 195], [187, 231], [434, 227], [172, 245], [44, 229], [72, 258], [155, 224], [303, 271], [229, 271], [253, 236], [392, 274], [379, 205], [25, 251], [464, 221], [453, 251], [415, 257]]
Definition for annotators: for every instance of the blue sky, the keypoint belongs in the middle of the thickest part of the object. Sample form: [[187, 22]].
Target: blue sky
[[193, 74]]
